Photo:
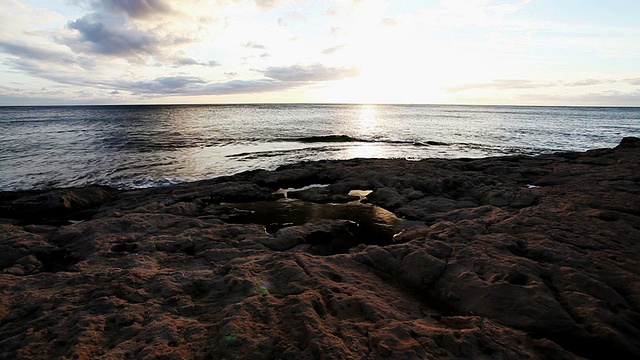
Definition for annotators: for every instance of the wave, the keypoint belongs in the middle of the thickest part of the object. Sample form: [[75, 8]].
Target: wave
[[347, 139], [276, 153]]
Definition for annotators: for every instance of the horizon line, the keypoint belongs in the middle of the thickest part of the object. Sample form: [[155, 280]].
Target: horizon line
[[319, 103]]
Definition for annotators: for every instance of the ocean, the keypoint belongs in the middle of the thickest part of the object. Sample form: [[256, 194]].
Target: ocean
[[154, 145]]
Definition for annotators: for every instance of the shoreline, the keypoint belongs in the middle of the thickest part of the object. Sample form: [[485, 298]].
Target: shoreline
[[142, 147], [518, 256]]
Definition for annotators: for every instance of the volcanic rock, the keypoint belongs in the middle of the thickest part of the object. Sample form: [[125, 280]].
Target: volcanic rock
[[518, 257]]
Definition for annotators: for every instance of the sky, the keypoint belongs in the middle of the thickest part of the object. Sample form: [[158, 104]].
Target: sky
[[521, 52]]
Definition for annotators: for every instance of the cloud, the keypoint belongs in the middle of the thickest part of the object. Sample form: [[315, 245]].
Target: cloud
[[635, 81], [388, 22], [109, 35], [55, 65], [315, 72], [245, 87], [117, 28], [27, 99], [186, 61], [67, 69], [253, 45], [266, 4], [606, 98], [23, 96], [135, 8], [504, 84], [333, 49], [190, 85], [24, 51], [501, 84], [277, 79], [589, 82], [164, 85]]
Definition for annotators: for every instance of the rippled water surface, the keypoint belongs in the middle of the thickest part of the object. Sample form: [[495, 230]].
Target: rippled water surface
[[138, 146]]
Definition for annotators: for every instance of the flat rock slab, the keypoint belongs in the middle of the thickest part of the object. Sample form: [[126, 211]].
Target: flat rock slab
[[519, 257]]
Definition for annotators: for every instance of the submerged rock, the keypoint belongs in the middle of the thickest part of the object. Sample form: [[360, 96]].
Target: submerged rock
[[504, 269]]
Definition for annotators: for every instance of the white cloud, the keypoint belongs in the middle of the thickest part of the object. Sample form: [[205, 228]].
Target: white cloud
[[333, 49]]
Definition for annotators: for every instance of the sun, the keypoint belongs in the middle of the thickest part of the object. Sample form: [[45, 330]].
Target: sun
[[384, 86]]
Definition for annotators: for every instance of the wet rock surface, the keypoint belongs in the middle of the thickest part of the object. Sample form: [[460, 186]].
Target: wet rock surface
[[519, 257]]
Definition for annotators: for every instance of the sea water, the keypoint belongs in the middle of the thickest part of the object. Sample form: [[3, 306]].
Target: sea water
[[142, 146]]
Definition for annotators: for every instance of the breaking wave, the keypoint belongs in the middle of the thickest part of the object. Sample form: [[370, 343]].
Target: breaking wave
[[350, 139]]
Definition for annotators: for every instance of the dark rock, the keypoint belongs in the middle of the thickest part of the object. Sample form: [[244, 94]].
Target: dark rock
[[386, 197], [502, 270], [226, 192], [55, 203], [629, 143], [523, 199]]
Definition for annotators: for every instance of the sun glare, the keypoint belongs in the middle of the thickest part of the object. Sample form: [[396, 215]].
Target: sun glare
[[367, 118], [364, 151]]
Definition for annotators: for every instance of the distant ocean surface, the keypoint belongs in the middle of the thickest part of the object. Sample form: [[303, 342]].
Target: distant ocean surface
[[144, 146]]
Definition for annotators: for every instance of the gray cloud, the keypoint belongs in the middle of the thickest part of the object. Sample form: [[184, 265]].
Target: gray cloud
[[163, 85], [332, 50], [25, 51], [45, 63], [246, 87], [252, 45], [34, 53], [189, 85], [266, 4], [62, 68], [135, 8], [315, 72], [501, 84], [635, 81], [21, 96], [281, 78], [50, 70], [606, 98], [26, 99], [277, 78], [111, 36], [186, 61]]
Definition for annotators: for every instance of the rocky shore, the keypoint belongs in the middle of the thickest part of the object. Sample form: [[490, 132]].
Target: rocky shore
[[513, 257]]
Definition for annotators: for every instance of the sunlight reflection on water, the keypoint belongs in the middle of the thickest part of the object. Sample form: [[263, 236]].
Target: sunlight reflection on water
[[365, 150], [367, 118], [137, 146]]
